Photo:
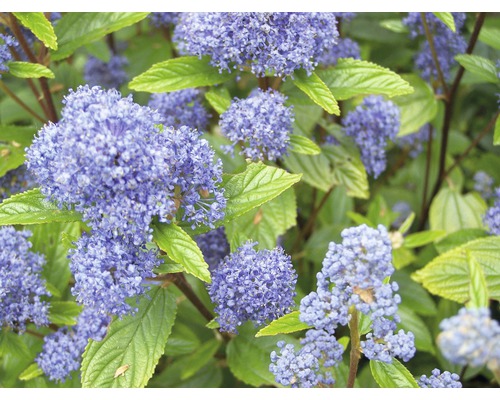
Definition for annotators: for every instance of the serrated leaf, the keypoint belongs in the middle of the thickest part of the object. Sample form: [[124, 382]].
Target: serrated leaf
[[496, 134], [286, 324], [316, 90], [394, 375], [64, 312], [419, 239], [411, 322], [74, 30], [451, 211], [417, 108], [33, 371], [181, 248], [350, 78], [316, 170], [137, 341], [31, 208], [266, 223], [177, 74], [40, 26], [447, 19], [459, 238], [448, 274], [478, 288], [219, 99], [303, 145], [479, 66], [200, 358], [21, 69]]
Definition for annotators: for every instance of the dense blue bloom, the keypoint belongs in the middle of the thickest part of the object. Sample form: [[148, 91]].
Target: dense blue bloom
[[345, 48], [440, 380], [5, 54], [492, 216], [62, 351], [261, 124], [414, 141], [106, 74], [109, 159], [214, 246], [15, 181], [252, 285], [447, 43], [21, 283], [182, 107], [469, 337], [483, 183], [276, 42], [383, 349], [108, 271], [160, 19], [371, 124]]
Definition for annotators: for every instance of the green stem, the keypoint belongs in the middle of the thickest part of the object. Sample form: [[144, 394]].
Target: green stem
[[355, 348], [427, 172]]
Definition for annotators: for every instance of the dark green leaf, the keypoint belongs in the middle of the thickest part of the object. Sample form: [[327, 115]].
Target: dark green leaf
[[448, 275], [200, 358], [178, 73], [64, 312], [479, 66], [394, 375], [478, 289], [219, 99], [128, 355], [74, 30], [447, 19], [182, 249], [286, 324], [458, 238], [411, 322], [21, 69], [303, 145], [413, 295], [350, 78], [420, 239], [31, 208], [40, 26], [316, 90], [183, 340], [13, 344], [33, 371]]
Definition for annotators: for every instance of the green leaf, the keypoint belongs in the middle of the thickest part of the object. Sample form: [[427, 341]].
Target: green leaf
[[213, 324], [248, 357], [64, 312], [286, 324], [266, 223], [406, 225], [316, 170], [316, 90], [447, 19], [178, 73], [40, 26], [13, 344], [458, 238], [181, 248], [33, 371], [219, 98], [451, 211], [20, 136], [419, 239], [183, 340], [411, 322], [350, 78], [417, 108], [413, 295], [200, 358], [21, 69], [402, 257], [491, 36], [74, 30], [31, 208], [394, 25], [496, 134], [448, 275], [11, 157], [479, 66], [478, 289], [394, 375], [135, 341], [303, 145]]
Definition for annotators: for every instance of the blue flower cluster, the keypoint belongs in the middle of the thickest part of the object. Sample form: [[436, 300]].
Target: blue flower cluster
[[182, 107], [62, 351], [106, 74], [447, 43], [5, 54], [492, 216], [345, 48], [483, 183], [352, 276], [261, 124], [251, 285], [440, 380], [413, 142], [470, 338], [279, 43], [371, 124], [15, 181], [214, 246], [161, 19], [21, 283]]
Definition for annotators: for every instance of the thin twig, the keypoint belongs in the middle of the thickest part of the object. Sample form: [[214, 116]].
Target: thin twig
[[427, 171], [355, 354], [25, 107]]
